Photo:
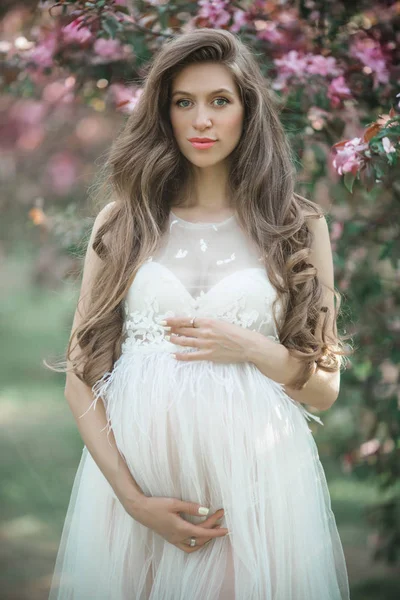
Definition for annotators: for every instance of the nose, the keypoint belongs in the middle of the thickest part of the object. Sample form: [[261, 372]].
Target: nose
[[201, 118]]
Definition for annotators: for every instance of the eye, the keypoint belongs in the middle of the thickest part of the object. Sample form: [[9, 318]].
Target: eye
[[226, 100], [179, 101], [220, 98]]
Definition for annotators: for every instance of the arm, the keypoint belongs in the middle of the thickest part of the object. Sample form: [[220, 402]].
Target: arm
[[92, 427], [274, 360]]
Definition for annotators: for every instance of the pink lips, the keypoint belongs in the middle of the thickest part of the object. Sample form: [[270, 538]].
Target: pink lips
[[202, 145]]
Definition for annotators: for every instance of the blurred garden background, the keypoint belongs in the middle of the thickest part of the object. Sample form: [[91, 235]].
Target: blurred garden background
[[70, 76]]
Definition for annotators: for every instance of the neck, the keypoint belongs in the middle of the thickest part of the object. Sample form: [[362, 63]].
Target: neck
[[209, 190]]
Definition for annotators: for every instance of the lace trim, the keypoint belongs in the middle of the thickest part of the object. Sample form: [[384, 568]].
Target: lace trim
[[143, 328]]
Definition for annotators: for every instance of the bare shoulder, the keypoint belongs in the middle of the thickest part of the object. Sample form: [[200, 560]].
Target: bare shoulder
[[104, 214], [312, 215], [101, 218]]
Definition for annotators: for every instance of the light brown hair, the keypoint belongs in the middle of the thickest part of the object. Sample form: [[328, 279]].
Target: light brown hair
[[142, 177]]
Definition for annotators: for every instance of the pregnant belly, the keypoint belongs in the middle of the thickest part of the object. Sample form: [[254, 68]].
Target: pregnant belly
[[198, 430]]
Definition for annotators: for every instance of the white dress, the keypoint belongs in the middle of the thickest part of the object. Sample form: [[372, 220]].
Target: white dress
[[223, 435]]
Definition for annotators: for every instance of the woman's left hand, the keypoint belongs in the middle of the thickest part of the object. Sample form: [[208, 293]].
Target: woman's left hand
[[216, 340]]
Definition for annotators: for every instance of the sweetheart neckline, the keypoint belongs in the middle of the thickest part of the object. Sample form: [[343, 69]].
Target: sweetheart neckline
[[195, 299]]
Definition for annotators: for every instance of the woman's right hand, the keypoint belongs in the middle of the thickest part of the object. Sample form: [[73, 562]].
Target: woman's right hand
[[161, 514]]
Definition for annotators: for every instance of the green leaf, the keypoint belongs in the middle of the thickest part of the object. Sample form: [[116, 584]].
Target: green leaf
[[386, 250], [122, 9], [349, 179], [110, 26]]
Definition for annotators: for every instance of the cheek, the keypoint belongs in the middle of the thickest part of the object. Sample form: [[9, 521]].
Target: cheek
[[177, 122], [234, 124]]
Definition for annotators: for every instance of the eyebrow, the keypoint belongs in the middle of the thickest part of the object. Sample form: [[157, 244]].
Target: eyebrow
[[210, 94]]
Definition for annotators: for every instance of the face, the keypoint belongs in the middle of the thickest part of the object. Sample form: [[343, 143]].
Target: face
[[200, 108]]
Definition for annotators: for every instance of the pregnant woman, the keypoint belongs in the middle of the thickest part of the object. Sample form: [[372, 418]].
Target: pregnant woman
[[206, 321]]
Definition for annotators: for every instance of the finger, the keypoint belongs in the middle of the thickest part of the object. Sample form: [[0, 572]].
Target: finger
[[199, 544], [187, 340], [198, 532], [210, 521], [189, 331], [184, 547], [188, 549], [190, 356], [184, 323], [192, 508]]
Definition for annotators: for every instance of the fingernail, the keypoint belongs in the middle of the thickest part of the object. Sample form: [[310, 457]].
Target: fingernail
[[163, 322], [167, 337], [167, 328], [203, 511]]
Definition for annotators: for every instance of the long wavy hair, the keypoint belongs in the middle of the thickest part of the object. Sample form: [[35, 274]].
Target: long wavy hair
[[143, 176]]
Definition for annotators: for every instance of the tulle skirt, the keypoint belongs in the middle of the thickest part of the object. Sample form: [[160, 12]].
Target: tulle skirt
[[223, 435]]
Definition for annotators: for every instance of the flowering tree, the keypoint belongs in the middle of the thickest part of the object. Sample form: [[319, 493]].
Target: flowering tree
[[72, 68]]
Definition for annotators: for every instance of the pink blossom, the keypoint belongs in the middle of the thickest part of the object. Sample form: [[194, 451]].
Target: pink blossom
[[108, 48], [322, 65], [214, 11], [338, 91], [73, 35], [369, 52], [347, 158], [42, 53], [268, 30], [287, 17], [125, 96], [338, 87], [239, 19], [292, 64]]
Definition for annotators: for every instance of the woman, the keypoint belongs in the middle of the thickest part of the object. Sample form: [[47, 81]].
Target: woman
[[206, 318]]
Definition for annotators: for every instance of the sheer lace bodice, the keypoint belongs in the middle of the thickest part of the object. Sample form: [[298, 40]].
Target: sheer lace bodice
[[203, 269]]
